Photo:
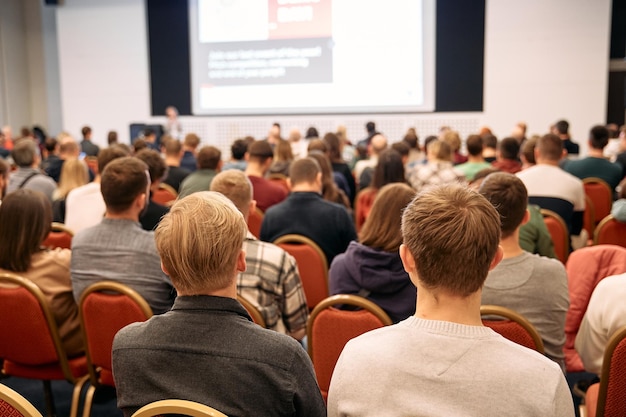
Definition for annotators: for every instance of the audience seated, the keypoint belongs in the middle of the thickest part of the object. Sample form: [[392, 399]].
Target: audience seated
[[506, 156], [26, 156], [527, 152], [442, 361], [86, 145], [335, 151], [595, 165], [298, 143], [475, 161], [266, 193], [74, 174], [151, 216], [561, 129], [209, 163], [438, 169], [25, 216], [552, 188], [118, 249], [271, 281], [306, 213], [372, 267], [416, 156], [605, 314], [5, 169], [207, 349], [238, 155], [173, 155], [453, 139], [618, 210], [282, 158], [84, 206], [377, 144], [490, 145], [51, 163], [190, 144], [330, 191], [532, 285]]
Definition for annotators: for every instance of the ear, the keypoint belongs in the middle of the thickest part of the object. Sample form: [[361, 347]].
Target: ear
[[497, 258], [246, 156], [526, 217], [220, 164], [407, 259], [564, 153], [241, 261], [164, 269], [141, 200], [289, 184], [252, 206]]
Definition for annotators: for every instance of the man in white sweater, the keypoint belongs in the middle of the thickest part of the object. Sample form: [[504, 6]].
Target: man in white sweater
[[443, 361]]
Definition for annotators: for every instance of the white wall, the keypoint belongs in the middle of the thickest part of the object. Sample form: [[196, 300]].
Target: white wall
[[543, 61]]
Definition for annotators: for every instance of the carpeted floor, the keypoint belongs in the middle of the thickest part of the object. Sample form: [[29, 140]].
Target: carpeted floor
[[104, 404]]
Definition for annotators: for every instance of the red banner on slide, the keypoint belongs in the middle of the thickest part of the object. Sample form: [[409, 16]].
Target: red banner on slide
[[295, 19]]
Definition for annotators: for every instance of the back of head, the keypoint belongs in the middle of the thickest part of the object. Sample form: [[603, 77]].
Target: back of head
[[236, 186], [260, 151], [192, 140], [528, 150], [490, 141], [598, 137], [562, 127], [453, 234], [74, 173], [304, 170], [123, 180], [508, 195], [112, 137], [378, 143], [382, 228], [370, 127], [199, 241], [107, 155], [402, 148], [86, 130], [474, 145], [550, 147], [238, 149], [24, 153], [26, 216], [388, 169], [453, 139], [439, 150], [282, 151], [412, 140], [156, 165], [317, 145], [173, 147], [69, 146], [509, 148], [334, 146], [208, 157], [50, 144], [311, 133]]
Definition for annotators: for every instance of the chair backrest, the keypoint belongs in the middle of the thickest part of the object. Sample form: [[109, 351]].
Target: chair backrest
[[559, 233], [165, 195], [514, 327], [30, 336], [12, 404], [104, 308], [589, 217], [60, 236], [610, 232], [181, 407], [601, 194], [312, 266], [329, 329], [280, 180], [255, 219], [363, 205], [254, 312], [612, 393], [92, 163]]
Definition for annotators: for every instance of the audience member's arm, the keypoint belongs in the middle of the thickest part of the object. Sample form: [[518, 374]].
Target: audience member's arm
[[294, 308], [307, 399], [577, 222], [619, 210]]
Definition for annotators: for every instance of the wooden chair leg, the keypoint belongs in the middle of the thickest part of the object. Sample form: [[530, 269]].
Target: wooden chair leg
[[49, 399], [78, 388]]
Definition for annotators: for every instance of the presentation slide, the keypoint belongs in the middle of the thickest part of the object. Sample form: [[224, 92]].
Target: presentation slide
[[255, 57]]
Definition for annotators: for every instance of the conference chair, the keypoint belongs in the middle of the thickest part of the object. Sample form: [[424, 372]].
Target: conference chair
[[312, 266], [559, 233], [104, 308], [586, 267], [30, 343], [589, 217], [178, 407], [512, 326], [608, 397], [165, 195], [610, 232], [329, 328], [59, 236], [254, 312], [280, 180], [601, 195], [92, 163], [363, 205], [255, 219], [12, 404]]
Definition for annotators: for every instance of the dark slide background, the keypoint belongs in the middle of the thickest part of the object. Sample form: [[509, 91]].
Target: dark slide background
[[460, 54]]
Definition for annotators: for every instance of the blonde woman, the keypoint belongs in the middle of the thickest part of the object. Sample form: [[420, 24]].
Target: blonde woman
[[74, 173]]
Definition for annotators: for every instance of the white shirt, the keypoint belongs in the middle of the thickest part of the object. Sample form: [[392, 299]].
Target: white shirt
[[84, 207], [551, 181]]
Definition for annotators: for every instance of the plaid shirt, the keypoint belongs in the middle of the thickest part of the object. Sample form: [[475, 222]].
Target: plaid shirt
[[434, 173], [271, 282]]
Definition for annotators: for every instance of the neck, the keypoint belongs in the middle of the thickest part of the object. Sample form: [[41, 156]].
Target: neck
[[596, 153], [510, 246], [172, 161], [126, 215], [305, 187], [475, 158], [547, 162], [229, 292], [441, 305], [255, 169]]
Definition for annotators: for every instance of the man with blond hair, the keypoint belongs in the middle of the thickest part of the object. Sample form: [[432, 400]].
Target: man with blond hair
[[271, 281], [443, 361], [206, 349]]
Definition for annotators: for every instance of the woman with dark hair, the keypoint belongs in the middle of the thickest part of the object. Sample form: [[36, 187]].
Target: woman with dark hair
[[330, 191], [334, 146], [372, 267], [389, 169], [26, 216]]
